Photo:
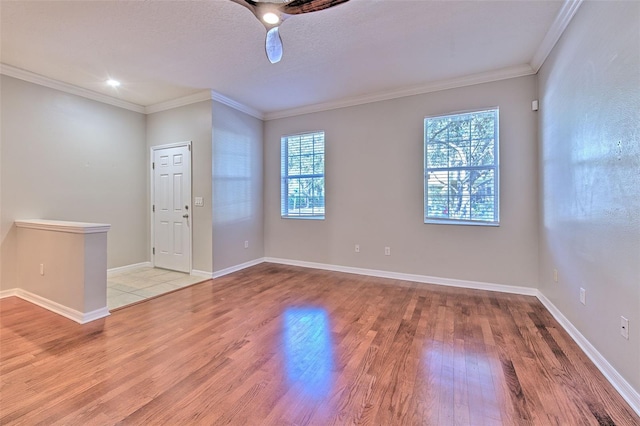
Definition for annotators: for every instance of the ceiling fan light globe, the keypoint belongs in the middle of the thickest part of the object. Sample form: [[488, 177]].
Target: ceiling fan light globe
[[273, 45], [270, 18]]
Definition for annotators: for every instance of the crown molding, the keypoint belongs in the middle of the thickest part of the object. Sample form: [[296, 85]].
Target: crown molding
[[485, 77], [41, 80], [236, 105], [562, 20], [204, 95], [559, 25]]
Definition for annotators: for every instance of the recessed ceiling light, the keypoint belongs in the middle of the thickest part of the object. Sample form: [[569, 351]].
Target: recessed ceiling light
[[270, 18], [113, 83]]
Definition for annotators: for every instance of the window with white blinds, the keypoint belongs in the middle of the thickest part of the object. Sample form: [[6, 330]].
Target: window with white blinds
[[461, 168], [302, 166]]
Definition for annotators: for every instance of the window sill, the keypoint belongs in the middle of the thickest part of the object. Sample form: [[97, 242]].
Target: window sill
[[459, 222], [303, 217]]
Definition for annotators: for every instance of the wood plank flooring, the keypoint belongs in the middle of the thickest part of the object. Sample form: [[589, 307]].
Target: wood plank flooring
[[280, 345]]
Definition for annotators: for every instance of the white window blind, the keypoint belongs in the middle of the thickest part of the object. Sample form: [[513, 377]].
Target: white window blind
[[302, 166], [461, 168]]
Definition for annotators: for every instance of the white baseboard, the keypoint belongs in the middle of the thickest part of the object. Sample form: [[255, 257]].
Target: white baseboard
[[231, 269], [129, 267], [9, 293], [611, 374], [55, 307], [203, 274], [450, 282]]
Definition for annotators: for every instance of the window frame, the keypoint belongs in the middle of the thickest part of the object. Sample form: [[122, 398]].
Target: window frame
[[495, 167], [285, 176]]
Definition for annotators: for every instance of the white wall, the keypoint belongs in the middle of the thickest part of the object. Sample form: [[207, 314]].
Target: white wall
[[69, 158], [590, 187], [237, 187], [374, 190], [75, 265], [189, 123], [65, 157]]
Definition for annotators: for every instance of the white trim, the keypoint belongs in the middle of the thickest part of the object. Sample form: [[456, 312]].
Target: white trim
[[94, 315], [129, 267], [237, 105], [41, 80], [557, 28], [204, 95], [9, 293], [485, 77], [203, 274], [562, 20], [55, 307], [231, 269], [611, 374], [171, 145], [450, 282], [187, 144], [617, 381], [63, 226]]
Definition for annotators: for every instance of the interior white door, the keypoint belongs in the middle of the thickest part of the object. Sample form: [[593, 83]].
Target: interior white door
[[172, 208]]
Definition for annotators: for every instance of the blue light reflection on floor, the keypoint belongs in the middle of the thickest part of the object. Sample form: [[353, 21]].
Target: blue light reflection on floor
[[308, 350]]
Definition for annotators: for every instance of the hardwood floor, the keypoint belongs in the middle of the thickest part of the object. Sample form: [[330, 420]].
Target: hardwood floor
[[279, 345]]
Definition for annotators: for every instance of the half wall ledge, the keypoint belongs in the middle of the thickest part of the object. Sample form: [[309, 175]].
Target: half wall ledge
[[64, 263]]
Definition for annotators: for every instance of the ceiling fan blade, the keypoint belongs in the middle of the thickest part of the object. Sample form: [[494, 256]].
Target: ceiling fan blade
[[297, 7], [273, 45], [261, 10], [249, 4]]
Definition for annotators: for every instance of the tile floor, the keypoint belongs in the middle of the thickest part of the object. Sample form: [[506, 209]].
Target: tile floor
[[134, 285]]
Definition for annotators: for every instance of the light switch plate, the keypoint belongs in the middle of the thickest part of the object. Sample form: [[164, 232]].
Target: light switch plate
[[199, 202]]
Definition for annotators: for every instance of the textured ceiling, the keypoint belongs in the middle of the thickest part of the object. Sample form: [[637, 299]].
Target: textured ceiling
[[163, 50]]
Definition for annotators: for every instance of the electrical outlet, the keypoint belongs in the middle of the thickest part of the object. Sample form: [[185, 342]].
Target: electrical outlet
[[624, 327], [246, 244], [583, 296], [555, 275], [357, 248], [387, 251]]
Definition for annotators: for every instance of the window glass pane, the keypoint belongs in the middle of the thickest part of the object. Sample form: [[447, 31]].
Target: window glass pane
[[459, 198], [306, 164], [306, 145], [457, 155], [437, 154], [318, 164], [482, 152], [294, 165], [293, 146], [303, 176], [461, 170], [438, 193], [482, 194]]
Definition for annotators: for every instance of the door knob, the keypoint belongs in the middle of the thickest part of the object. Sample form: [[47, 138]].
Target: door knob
[[186, 216]]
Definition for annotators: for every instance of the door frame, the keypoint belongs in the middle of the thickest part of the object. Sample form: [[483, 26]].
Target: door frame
[[154, 148]]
